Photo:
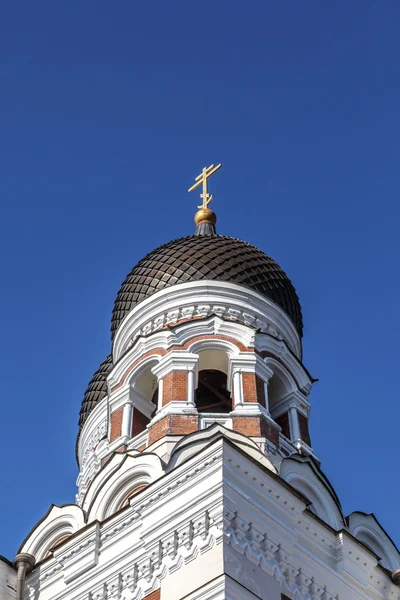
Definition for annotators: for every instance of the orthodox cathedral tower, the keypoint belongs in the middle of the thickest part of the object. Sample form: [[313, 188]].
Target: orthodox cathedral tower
[[197, 476]]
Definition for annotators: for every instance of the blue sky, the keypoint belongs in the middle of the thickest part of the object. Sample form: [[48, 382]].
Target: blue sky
[[107, 112]]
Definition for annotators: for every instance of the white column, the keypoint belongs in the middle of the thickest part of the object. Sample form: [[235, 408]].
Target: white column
[[160, 394], [126, 428], [237, 388], [266, 396], [294, 424], [190, 387]]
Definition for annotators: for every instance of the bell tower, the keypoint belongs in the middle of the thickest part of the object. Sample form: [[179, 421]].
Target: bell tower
[[197, 476]]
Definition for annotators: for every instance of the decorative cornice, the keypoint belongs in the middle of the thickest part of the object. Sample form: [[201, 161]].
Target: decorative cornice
[[201, 299], [178, 360], [257, 514]]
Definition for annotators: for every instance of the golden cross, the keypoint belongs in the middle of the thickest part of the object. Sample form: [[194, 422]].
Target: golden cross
[[202, 179]]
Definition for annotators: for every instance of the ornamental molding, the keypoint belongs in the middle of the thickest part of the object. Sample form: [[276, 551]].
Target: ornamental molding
[[198, 535], [177, 360], [200, 299], [59, 522], [94, 428], [213, 333], [264, 551]]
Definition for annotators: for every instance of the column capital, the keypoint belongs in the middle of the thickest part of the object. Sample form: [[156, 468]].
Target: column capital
[[176, 360], [294, 399], [250, 362], [244, 362]]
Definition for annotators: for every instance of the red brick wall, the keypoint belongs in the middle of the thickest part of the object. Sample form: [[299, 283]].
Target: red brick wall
[[173, 425], [283, 421], [154, 595], [256, 427], [249, 387], [116, 423], [139, 422], [175, 387], [303, 425], [260, 391], [253, 388]]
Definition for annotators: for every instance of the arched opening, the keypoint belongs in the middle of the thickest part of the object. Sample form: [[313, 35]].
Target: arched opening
[[277, 389], [144, 397], [146, 385], [212, 394]]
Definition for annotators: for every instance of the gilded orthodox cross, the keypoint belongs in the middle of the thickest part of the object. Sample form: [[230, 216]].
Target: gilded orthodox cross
[[202, 179]]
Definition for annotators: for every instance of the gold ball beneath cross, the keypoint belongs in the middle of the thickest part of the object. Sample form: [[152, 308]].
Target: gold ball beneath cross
[[205, 215]]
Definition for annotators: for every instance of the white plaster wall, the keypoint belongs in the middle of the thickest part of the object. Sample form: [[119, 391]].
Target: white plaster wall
[[195, 575], [8, 581], [218, 514]]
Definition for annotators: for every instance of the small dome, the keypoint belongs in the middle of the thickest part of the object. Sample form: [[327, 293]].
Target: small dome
[[96, 390], [202, 257]]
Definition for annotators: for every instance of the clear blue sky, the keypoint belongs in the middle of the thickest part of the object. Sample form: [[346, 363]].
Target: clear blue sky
[[107, 112]]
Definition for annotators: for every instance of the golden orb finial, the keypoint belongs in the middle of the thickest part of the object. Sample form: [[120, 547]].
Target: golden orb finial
[[205, 215]]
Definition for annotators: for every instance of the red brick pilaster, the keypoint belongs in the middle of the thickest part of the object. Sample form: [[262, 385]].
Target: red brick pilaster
[[116, 423], [139, 422], [174, 387], [303, 426], [283, 422], [249, 387], [260, 387]]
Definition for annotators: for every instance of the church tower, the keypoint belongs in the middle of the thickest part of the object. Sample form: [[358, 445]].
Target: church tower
[[197, 476]]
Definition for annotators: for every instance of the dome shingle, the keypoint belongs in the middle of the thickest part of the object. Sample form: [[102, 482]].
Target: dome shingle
[[215, 257], [96, 390]]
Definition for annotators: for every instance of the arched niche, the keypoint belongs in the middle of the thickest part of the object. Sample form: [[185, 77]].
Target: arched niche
[[303, 474], [123, 477], [58, 524], [367, 530]]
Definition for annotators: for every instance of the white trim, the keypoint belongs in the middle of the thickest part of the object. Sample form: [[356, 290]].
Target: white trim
[[178, 360], [175, 407], [61, 521], [204, 298]]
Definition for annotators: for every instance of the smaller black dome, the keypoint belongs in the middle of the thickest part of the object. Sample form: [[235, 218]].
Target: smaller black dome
[[96, 390]]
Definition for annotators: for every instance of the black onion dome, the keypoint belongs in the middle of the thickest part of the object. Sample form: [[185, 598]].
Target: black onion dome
[[200, 257], [96, 390]]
